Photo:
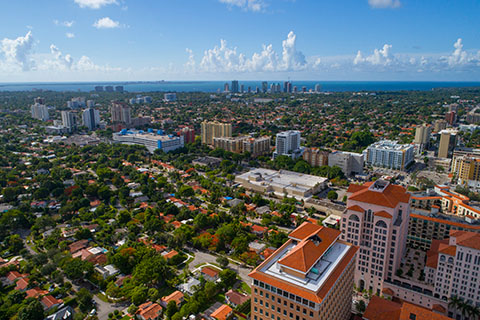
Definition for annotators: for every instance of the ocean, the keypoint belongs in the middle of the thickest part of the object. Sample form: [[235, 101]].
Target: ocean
[[217, 86]]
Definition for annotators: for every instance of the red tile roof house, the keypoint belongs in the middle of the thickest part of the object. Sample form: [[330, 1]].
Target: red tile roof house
[[78, 245], [222, 313], [259, 230], [149, 311], [236, 298], [210, 274], [35, 293], [50, 301], [13, 276], [22, 284], [176, 296]]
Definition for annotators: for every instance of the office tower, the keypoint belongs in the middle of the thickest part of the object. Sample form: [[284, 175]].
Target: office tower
[[285, 86], [119, 88], [451, 117], [91, 118], [278, 88], [90, 104], [351, 163], [272, 88], [99, 89], [39, 100], [318, 88], [309, 277], [69, 120], [452, 269], [39, 111], [289, 87], [304, 89], [120, 112], [440, 125], [448, 141], [242, 88], [249, 90], [170, 97], [264, 86], [422, 134], [257, 90], [213, 129], [376, 220], [288, 144], [235, 86], [109, 88], [226, 87], [389, 154], [295, 89], [315, 157]]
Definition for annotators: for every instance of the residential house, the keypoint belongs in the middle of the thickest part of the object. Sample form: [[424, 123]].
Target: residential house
[[149, 311], [222, 313], [210, 273], [236, 298], [176, 296]]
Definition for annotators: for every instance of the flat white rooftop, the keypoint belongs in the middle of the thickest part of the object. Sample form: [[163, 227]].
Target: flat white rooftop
[[282, 178], [317, 275]]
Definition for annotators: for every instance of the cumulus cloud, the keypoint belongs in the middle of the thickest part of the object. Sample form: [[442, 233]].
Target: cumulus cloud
[[94, 4], [380, 57], [59, 61], [226, 59], [106, 23], [381, 4], [70, 35], [459, 56], [251, 5], [67, 24], [190, 65], [18, 51]]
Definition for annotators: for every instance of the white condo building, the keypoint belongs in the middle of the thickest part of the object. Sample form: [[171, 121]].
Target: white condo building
[[150, 140], [91, 118], [69, 120], [389, 154], [288, 144], [40, 112]]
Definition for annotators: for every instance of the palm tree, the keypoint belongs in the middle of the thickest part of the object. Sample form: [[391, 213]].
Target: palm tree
[[454, 302], [474, 313]]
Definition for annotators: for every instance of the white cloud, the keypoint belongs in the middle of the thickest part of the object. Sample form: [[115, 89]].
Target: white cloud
[[381, 4], [67, 24], [191, 64], [18, 51], [94, 4], [382, 57], [106, 23], [59, 62], [225, 59], [70, 35], [252, 5], [459, 56]]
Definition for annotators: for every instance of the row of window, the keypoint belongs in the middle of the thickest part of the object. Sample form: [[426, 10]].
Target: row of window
[[284, 293]]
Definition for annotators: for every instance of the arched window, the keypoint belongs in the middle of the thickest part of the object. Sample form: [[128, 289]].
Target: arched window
[[442, 258], [381, 224], [354, 217], [450, 260]]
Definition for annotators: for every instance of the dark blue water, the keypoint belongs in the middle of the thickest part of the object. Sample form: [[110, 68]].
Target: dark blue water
[[217, 86]]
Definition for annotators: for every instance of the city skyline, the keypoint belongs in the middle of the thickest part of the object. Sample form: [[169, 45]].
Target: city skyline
[[105, 40]]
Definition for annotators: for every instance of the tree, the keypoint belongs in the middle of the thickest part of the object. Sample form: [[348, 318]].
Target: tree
[[360, 306], [332, 195], [139, 295], [84, 299], [222, 261], [171, 309], [32, 311], [228, 278]]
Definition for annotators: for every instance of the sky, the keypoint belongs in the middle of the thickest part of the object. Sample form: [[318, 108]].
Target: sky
[[134, 40]]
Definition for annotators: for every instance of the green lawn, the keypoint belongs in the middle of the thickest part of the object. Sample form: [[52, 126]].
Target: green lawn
[[245, 288]]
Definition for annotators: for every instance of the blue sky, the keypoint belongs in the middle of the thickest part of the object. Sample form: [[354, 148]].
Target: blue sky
[[88, 40]]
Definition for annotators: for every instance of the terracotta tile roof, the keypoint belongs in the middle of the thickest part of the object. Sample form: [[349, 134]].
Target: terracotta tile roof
[[14, 275], [439, 308], [221, 313], [356, 208], [421, 313], [49, 301], [176, 296], [35, 292], [449, 250], [305, 254], [304, 230], [452, 223], [388, 291], [22, 284], [381, 309], [170, 254], [390, 197], [432, 254], [210, 272], [383, 214], [466, 239], [149, 310], [259, 229], [236, 297], [78, 245], [267, 252]]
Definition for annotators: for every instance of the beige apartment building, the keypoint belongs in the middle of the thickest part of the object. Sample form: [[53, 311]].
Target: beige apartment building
[[310, 277], [256, 146], [213, 129], [448, 140], [315, 157]]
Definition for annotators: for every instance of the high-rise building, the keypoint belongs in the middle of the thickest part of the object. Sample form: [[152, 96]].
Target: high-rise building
[[288, 144], [295, 89], [452, 269], [232, 144], [467, 170], [304, 89], [226, 88], [120, 112], [257, 146], [315, 157], [39, 111], [389, 154], [440, 125], [91, 118], [98, 88], [351, 163], [90, 104], [242, 88], [235, 86], [451, 117], [422, 134], [109, 88], [376, 220], [213, 129], [119, 88], [309, 277], [188, 134], [448, 141], [264, 86], [170, 97], [318, 88], [39, 100], [69, 120]]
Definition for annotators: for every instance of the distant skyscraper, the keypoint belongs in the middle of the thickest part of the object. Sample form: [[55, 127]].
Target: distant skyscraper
[[318, 88], [170, 97], [285, 86], [99, 89], [40, 112], [289, 87], [278, 88], [226, 88], [234, 86], [109, 88], [90, 104], [39, 100], [242, 88], [91, 118], [295, 89], [69, 120], [304, 89], [273, 88], [448, 141], [264, 86], [249, 89], [440, 125], [257, 90], [451, 117], [422, 134], [120, 112], [119, 88]]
